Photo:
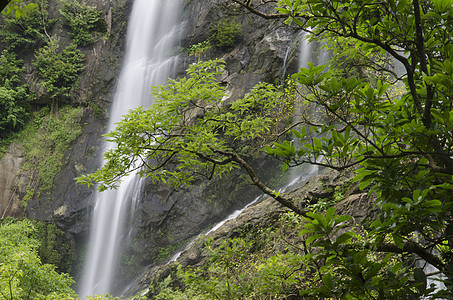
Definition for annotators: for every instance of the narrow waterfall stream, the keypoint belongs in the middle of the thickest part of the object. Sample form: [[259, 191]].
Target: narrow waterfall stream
[[152, 33]]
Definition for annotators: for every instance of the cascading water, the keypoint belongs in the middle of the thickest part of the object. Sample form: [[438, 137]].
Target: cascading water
[[305, 52], [152, 33], [309, 52]]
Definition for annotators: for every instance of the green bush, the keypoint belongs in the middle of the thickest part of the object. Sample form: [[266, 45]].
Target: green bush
[[29, 31], [23, 275], [14, 97], [226, 34], [199, 48], [83, 21], [59, 71]]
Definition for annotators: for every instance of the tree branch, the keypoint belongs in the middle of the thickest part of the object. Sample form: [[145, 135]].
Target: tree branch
[[3, 4], [423, 63], [259, 13], [256, 181], [413, 247]]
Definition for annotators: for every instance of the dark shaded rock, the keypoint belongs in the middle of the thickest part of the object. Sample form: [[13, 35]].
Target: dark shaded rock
[[167, 218], [265, 52], [356, 204]]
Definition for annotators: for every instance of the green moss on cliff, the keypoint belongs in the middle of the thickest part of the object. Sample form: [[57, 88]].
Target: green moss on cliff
[[45, 141]]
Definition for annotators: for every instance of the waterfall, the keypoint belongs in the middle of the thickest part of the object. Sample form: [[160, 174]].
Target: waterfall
[[305, 53], [152, 32], [309, 52]]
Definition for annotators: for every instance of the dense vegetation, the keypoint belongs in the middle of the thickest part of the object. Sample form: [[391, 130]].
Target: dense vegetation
[[394, 128], [34, 109], [14, 96], [59, 69], [23, 275], [225, 34], [83, 21], [38, 73]]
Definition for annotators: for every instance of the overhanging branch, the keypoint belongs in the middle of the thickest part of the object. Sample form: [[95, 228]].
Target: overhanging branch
[[413, 247], [256, 181], [3, 4], [253, 10]]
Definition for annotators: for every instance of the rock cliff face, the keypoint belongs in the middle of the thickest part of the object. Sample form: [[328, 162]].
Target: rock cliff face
[[331, 187], [9, 181], [167, 218], [67, 202]]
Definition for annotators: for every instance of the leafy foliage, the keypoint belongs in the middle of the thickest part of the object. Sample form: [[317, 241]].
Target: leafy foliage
[[326, 259], [401, 141], [199, 48], [225, 34], [348, 268], [263, 261], [14, 97], [16, 6], [59, 70], [84, 21], [27, 28], [189, 126], [23, 276]]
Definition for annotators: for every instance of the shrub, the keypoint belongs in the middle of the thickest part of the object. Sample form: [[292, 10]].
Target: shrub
[[23, 275], [59, 71], [14, 98], [83, 21], [199, 48], [28, 31], [226, 34]]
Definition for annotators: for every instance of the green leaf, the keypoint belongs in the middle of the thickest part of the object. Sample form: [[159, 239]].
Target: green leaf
[[343, 238], [285, 167], [364, 183], [297, 134], [432, 203], [420, 278], [328, 281], [330, 213], [313, 238], [398, 240], [268, 150], [317, 144], [341, 219]]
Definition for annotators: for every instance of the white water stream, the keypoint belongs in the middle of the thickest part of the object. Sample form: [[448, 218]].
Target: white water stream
[[152, 32]]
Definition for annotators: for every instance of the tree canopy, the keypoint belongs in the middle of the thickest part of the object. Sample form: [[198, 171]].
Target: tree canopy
[[395, 128], [188, 133], [9, 6], [23, 275]]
